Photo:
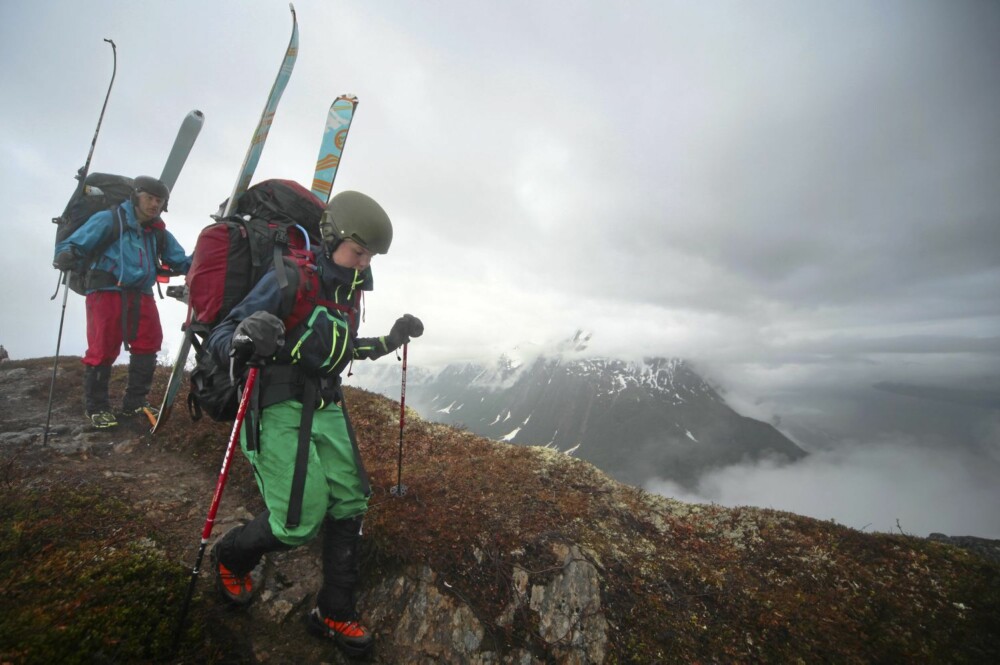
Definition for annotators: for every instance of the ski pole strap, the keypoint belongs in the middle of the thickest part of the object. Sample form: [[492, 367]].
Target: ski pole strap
[[252, 428], [294, 515]]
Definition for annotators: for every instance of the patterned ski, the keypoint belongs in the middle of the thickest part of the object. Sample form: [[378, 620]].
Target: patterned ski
[[338, 124], [242, 184], [264, 126]]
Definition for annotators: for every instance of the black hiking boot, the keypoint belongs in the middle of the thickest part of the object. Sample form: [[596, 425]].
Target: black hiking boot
[[352, 638], [141, 368], [145, 409], [242, 548], [95, 396], [102, 420], [235, 589], [143, 416]]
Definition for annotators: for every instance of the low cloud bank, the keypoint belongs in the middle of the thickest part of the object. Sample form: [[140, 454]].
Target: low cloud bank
[[881, 486]]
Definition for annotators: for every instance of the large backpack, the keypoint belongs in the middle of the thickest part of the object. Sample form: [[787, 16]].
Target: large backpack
[[276, 222], [232, 255], [100, 191]]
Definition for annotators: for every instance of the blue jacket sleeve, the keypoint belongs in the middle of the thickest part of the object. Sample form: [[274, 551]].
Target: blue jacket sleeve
[[174, 256], [265, 296], [88, 237]]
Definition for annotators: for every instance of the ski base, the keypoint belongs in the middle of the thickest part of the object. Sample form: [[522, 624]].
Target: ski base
[[174, 382], [186, 136], [338, 124]]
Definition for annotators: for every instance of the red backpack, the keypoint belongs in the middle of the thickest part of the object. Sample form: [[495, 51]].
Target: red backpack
[[276, 222], [273, 219]]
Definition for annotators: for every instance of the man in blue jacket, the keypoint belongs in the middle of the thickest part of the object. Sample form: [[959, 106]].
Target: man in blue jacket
[[124, 248]]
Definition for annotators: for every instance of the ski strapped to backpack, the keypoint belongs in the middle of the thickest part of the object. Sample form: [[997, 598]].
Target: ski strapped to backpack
[[242, 182], [331, 149]]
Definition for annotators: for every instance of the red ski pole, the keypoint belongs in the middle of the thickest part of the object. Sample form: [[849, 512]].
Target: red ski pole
[[206, 532]]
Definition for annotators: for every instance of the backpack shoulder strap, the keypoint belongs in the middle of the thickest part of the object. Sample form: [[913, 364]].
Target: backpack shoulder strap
[[160, 238], [117, 222], [305, 292], [290, 278]]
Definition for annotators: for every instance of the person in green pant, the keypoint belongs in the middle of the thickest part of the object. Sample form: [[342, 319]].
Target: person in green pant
[[300, 440]]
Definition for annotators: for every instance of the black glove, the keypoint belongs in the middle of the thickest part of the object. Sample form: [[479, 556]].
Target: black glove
[[403, 329], [260, 334], [64, 261]]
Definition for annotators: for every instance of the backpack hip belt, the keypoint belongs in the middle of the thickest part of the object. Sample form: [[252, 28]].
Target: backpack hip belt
[[279, 383]]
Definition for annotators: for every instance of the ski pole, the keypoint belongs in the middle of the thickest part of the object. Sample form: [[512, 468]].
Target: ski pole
[[206, 532], [55, 364], [100, 120], [93, 142], [400, 488], [81, 176]]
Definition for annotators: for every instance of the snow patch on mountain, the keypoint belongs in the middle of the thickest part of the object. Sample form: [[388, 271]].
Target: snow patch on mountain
[[511, 435]]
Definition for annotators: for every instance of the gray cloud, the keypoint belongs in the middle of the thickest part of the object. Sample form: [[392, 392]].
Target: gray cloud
[[884, 486]]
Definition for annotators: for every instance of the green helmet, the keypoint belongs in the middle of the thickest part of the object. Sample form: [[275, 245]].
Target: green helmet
[[356, 216]]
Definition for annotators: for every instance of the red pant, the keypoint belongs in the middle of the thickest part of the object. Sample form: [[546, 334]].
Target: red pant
[[104, 326]]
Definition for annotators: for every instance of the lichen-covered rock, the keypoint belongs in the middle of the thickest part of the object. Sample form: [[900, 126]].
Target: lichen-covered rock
[[570, 619]]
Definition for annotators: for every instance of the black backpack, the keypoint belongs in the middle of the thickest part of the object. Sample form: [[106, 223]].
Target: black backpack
[[100, 191]]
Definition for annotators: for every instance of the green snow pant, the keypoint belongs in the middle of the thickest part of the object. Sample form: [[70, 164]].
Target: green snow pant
[[333, 482]]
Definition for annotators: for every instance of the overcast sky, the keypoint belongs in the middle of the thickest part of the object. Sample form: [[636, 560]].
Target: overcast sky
[[801, 196]]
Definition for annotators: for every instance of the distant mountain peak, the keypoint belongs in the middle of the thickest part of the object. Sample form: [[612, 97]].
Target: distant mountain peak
[[579, 342], [657, 375], [636, 419]]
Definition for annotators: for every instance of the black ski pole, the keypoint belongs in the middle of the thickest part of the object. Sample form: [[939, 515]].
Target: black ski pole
[[400, 488], [206, 531], [55, 362], [81, 176]]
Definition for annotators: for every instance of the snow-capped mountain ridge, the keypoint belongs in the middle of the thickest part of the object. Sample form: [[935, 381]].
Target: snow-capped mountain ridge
[[613, 375], [636, 420], [658, 375]]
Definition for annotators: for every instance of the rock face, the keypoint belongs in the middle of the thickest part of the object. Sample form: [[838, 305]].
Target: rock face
[[634, 420], [423, 619]]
